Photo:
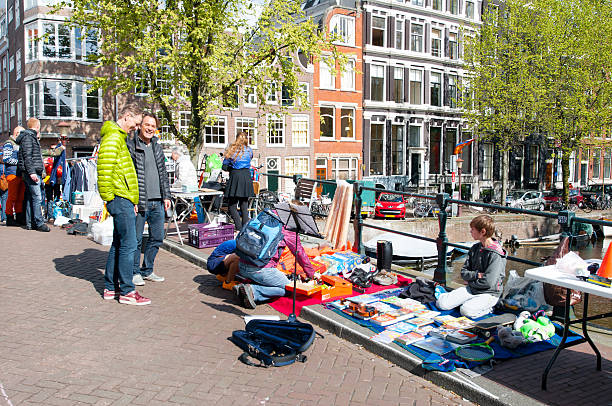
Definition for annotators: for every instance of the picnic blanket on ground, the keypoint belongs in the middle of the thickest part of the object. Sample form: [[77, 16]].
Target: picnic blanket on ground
[[285, 304], [501, 353]]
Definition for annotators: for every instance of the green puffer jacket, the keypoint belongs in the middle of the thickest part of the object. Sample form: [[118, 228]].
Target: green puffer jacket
[[116, 173]]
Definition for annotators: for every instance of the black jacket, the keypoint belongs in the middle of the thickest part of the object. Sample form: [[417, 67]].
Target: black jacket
[[491, 264], [30, 158], [136, 147]]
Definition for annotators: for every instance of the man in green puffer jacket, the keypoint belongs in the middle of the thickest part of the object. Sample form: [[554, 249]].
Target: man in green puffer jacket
[[118, 187]]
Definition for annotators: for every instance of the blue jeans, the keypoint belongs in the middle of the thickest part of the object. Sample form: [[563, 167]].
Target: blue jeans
[[3, 197], [120, 262], [154, 216], [33, 202], [270, 281]]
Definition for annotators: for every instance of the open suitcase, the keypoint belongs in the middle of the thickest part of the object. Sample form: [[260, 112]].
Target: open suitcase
[[274, 343]]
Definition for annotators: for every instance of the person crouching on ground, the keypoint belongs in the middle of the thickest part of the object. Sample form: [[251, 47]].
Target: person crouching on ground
[[240, 185], [222, 261], [269, 281], [484, 271]]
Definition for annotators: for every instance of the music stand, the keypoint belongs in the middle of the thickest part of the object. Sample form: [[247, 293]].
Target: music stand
[[299, 220]]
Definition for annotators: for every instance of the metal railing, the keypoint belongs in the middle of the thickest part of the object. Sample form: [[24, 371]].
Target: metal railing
[[565, 219]]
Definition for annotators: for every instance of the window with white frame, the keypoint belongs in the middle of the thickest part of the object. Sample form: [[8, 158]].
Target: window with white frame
[[452, 46], [6, 115], [230, 98], [296, 166], [327, 122], [3, 28], [435, 85], [142, 85], [184, 122], [303, 88], [416, 86], [487, 161], [347, 123], [344, 28], [377, 148], [414, 140], [162, 80], [452, 91], [17, 14], [469, 9], [417, 3], [276, 130], [327, 79], [416, 37], [31, 31], [67, 99], [215, 133], [249, 126], [377, 82], [18, 64], [436, 42], [4, 72], [344, 168], [398, 84], [165, 132], [56, 43], [271, 92], [399, 33], [250, 96], [437, 5], [454, 6], [11, 63], [397, 149], [378, 30], [10, 14], [33, 99], [12, 109], [19, 112], [347, 80], [287, 99], [299, 130]]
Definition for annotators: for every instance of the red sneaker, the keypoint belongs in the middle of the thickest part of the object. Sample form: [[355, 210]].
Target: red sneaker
[[134, 298], [110, 294]]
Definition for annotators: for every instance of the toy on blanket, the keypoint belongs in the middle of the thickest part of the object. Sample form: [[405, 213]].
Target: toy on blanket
[[534, 330], [509, 338]]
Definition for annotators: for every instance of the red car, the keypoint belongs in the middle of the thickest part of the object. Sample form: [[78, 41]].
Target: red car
[[555, 195], [390, 205]]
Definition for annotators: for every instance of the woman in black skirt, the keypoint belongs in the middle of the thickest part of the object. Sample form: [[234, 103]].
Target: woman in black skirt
[[240, 185]]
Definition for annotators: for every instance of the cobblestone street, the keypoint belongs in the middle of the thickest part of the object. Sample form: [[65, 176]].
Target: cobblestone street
[[61, 344]]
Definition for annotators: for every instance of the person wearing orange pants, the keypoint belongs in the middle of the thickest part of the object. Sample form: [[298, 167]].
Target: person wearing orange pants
[[14, 200]]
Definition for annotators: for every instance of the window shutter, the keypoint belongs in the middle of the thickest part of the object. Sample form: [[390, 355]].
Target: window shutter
[[368, 26], [366, 145], [389, 83], [446, 44], [426, 86], [446, 101], [407, 34], [366, 81], [390, 31], [387, 147], [426, 36], [406, 85]]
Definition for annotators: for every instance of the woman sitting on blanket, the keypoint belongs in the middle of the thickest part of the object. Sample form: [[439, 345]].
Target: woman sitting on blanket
[[484, 271], [269, 282]]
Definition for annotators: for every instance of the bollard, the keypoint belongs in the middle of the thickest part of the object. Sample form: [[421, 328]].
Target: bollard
[[441, 268]]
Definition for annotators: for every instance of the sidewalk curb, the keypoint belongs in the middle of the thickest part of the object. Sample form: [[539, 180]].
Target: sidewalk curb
[[176, 249]]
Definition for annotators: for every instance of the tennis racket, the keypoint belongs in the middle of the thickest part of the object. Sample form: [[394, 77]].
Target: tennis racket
[[476, 352]]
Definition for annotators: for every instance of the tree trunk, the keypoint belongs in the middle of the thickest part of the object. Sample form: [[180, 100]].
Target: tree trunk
[[195, 153], [504, 173], [565, 173]]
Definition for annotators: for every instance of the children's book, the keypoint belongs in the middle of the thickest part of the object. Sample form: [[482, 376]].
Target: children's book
[[462, 323], [384, 319], [386, 337], [429, 314], [421, 321], [424, 330], [436, 345], [441, 332], [409, 338], [382, 307], [402, 327], [365, 299], [445, 318], [461, 337]]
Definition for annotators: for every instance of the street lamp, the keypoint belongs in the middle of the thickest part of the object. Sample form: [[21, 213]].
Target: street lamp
[[459, 165]]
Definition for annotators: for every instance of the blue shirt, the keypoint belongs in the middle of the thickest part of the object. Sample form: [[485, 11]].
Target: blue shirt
[[241, 161], [219, 254]]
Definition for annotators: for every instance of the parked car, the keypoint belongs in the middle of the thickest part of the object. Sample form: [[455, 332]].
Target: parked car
[[526, 199], [556, 195], [389, 205]]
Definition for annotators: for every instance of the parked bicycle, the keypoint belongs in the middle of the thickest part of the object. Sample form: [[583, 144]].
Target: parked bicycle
[[423, 209], [320, 206], [560, 205]]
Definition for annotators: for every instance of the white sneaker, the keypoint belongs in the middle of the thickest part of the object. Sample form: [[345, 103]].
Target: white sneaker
[[137, 280], [154, 278]]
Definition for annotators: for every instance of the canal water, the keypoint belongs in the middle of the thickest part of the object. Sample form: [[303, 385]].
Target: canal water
[[593, 250]]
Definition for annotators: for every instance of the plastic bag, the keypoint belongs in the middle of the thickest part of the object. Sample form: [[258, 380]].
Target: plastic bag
[[102, 233], [523, 294], [571, 262]]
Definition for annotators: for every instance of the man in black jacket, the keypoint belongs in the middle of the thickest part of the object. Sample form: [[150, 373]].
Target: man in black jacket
[[31, 167], [154, 192]]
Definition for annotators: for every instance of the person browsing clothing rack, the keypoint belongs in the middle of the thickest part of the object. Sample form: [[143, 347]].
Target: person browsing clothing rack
[[239, 187]]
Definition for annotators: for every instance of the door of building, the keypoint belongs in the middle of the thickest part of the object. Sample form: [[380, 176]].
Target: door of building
[[272, 167], [415, 168], [583, 173]]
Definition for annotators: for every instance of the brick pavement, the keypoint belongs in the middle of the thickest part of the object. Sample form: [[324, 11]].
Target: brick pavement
[[61, 344]]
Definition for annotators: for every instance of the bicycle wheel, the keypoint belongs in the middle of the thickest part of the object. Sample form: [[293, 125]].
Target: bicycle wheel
[[266, 200], [586, 207], [573, 207]]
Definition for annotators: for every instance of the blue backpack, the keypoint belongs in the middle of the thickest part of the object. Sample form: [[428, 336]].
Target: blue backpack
[[258, 241]]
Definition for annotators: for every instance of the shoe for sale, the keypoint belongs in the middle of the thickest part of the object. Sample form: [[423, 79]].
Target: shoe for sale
[[246, 294], [134, 298], [154, 278], [137, 280], [110, 294], [44, 228]]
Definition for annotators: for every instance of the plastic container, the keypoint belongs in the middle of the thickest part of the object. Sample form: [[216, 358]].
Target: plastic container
[[202, 237]]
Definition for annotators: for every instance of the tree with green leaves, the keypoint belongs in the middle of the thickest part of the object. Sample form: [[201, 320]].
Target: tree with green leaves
[[540, 66], [194, 53]]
